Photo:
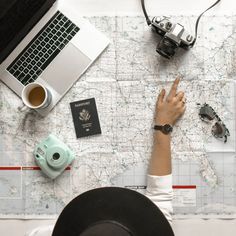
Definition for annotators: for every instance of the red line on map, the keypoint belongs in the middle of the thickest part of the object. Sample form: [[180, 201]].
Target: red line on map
[[30, 168], [10, 168], [24, 168], [184, 186]]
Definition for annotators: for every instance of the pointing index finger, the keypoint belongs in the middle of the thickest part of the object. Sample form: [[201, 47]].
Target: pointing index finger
[[174, 87]]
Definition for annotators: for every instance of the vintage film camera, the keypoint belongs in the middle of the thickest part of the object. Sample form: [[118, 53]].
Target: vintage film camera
[[53, 156], [173, 34]]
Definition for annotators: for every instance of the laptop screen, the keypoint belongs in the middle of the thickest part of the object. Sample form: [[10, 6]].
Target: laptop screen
[[17, 17]]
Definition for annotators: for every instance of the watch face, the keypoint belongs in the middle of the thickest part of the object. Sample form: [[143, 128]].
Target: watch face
[[167, 129]]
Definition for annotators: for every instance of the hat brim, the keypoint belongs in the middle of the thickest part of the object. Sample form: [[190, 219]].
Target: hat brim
[[130, 210]]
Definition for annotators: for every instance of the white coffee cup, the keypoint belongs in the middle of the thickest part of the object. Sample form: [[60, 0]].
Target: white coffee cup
[[36, 96]]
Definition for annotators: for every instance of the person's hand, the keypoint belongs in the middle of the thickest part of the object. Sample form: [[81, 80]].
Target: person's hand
[[170, 108]]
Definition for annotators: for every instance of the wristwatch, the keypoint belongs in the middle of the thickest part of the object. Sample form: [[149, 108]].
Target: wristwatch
[[165, 129]]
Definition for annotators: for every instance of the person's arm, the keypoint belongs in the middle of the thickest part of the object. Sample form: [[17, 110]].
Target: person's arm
[[41, 231], [159, 179], [168, 110]]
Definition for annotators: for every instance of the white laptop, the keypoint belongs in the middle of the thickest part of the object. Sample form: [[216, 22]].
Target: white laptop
[[47, 42]]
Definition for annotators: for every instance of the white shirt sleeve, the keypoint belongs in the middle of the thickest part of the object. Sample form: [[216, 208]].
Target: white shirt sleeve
[[41, 231], [160, 192]]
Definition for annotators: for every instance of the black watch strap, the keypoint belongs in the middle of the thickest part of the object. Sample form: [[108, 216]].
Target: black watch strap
[[165, 129]]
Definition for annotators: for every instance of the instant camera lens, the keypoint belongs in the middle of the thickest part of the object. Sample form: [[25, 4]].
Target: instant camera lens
[[56, 156], [166, 48]]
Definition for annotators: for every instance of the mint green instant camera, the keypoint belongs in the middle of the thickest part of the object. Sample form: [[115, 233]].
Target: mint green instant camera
[[53, 156]]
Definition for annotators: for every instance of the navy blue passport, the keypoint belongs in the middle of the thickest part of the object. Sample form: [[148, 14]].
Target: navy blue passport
[[85, 118]]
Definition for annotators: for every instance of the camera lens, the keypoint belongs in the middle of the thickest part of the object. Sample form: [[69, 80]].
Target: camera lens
[[166, 48], [56, 156]]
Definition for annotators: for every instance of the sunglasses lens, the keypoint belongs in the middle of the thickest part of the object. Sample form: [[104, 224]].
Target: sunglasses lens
[[218, 130], [206, 112]]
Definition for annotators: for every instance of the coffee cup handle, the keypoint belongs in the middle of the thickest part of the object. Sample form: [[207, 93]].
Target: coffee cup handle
[[23, 108]]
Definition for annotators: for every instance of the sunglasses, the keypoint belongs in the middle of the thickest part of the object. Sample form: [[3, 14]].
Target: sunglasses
[[219, 129]]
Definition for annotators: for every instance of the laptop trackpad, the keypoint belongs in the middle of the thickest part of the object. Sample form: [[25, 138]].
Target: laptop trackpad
[[66, 68]]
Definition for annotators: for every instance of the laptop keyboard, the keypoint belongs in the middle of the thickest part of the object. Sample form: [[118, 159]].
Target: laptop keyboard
[[45, 46]]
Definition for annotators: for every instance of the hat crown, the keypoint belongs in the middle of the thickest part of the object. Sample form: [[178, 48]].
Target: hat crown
[[106, 228]]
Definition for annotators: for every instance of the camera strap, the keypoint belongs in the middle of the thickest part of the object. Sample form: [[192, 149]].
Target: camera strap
[[145, 13], [149, 22], [198, 19]]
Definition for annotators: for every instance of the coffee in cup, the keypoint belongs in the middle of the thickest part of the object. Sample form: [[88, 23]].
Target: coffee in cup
[[35, 96]]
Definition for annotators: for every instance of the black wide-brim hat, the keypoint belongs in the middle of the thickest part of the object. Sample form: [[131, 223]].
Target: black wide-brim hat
[[112, 211]]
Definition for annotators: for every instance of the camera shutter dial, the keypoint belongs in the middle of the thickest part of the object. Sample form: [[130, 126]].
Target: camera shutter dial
[[168, 25], [56, 157]]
